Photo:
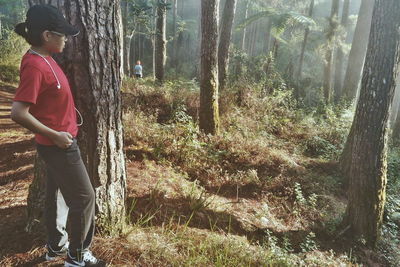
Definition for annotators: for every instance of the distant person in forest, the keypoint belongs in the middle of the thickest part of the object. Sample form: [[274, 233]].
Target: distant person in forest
[[138, 69], [43, 103]]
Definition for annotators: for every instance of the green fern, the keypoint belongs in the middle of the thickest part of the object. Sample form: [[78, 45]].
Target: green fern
[[280, 21]]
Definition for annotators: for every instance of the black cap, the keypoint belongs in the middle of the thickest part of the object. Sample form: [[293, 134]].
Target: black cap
[[48, 17]]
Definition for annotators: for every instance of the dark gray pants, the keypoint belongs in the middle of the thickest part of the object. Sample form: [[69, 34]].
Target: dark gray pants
[[69, 193]]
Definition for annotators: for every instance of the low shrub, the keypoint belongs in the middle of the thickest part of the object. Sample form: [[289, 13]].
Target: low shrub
[[9, 73]]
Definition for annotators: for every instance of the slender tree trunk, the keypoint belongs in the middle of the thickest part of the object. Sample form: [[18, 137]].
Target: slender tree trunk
[[395, 106], [153, 38], [368, 163], [133, 49], [246, 14], [394, 114], [182, 8], [139, 44], [249, 36], [128, 50], [160, 41], [329, 53], [303, 49], [124, 7], [340, 54], [92, 64], [224, 42], [396, 126], [174, 34], [143, 41], [305, 39], [358, 50], [209, 118], [198, 47]]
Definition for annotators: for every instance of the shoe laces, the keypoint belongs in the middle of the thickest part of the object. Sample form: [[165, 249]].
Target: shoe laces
[[88, 257]]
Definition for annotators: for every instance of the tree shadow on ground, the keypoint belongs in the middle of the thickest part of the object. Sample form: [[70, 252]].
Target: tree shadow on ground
[[178, 210], [14, 238]]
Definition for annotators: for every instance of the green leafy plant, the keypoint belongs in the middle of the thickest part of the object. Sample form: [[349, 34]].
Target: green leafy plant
[[309, 243]]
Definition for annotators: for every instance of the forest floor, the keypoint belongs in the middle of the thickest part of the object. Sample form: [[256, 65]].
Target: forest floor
[[174, 218]]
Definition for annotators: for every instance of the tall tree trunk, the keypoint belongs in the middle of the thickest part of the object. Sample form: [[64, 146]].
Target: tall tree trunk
[[329, 53], [303, 50], [198, 47], [128, 50], [305, 39], [160, 41], [225, 41], [249, 35], [354, 70], [209, 117], [92, 64], [394, 114], [396, 126], [153, 37], [246, 14], [368, 163], [358, 50], [174, 57], [340, 54], [133, 55], [396, 99], [126, 45], [182, 8], [143, 41]]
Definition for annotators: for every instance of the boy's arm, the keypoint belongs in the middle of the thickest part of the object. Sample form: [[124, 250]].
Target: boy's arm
[[20, 114]]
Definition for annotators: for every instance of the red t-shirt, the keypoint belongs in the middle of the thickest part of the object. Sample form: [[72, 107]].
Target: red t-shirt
[[51, 106]]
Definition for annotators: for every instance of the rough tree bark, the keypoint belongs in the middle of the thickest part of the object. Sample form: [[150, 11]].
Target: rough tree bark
[[354, 70], [92, 63], [358, 50], [369, 134], [209, 117], [225, 41], [160, 41]]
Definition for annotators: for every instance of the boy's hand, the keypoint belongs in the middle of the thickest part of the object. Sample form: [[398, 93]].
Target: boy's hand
[[62, 140]]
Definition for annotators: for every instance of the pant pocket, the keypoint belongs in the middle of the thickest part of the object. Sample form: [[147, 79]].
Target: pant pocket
[[72, 154]]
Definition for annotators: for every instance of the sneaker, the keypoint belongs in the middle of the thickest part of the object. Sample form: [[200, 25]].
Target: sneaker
[[52, 255], [88, 260]]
